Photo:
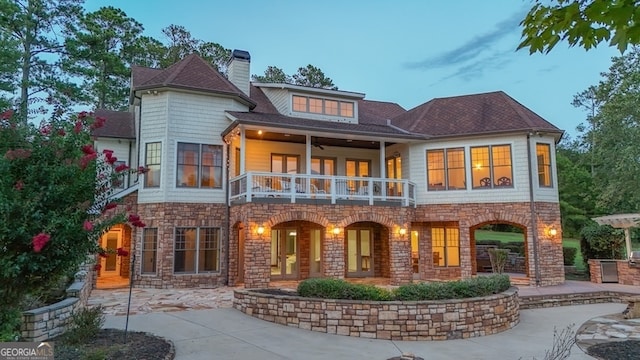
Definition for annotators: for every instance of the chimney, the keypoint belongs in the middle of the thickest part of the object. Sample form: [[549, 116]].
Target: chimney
[[239, 70]]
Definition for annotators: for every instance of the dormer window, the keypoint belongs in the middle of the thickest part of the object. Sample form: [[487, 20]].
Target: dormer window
[[316, 105]]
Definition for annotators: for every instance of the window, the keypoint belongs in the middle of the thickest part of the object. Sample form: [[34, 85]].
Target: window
[[543, 154], [197, 250], [149, 250], [445, 245], [491, 166], [322, 106], [153, 156], [199, 166], [284, 163], [355, 168], [445, 169], [121, 180]]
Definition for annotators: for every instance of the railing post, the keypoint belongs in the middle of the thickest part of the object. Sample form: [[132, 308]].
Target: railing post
[[405, 191], [292, 188], [333, 190], [249, 179]]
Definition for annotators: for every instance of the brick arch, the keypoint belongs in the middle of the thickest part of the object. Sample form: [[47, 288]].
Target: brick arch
[[503, 217], [287, 216], [367, 217]]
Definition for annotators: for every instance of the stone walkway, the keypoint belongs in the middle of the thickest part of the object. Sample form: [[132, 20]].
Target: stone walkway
[[611, 327]]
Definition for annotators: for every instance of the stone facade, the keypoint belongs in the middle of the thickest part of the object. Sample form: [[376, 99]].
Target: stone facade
[[166, 217], [394, 320], [392, 251], [627, 275]]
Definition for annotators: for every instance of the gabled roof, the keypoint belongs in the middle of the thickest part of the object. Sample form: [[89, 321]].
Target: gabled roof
[[294, 123], [378, 112], [494, 112], [191, 73], [140, 74], [118, 124]]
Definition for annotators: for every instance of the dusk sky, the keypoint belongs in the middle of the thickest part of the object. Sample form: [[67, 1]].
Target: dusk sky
[[406, 52]]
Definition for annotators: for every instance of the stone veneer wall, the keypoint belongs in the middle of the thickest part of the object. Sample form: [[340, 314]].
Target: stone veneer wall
[[48, 321], [394, 320], [627, 275], [463, 216], [166, 217]]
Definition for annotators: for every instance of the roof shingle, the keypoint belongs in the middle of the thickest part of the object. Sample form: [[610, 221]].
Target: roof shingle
[[378, 112], [472, 114], [118, 124]]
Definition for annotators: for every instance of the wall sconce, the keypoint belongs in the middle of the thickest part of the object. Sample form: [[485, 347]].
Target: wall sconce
[[335, 232], [402, 232], [260, 231], [552, 231]]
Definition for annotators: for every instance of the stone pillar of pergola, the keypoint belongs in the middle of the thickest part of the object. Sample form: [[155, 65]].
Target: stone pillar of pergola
[[621, 221]]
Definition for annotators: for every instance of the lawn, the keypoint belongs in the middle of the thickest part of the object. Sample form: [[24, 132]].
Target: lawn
[[509, 236]]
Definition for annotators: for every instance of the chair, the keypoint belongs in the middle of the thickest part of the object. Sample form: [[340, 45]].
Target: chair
[[485, 182], [504, 181]]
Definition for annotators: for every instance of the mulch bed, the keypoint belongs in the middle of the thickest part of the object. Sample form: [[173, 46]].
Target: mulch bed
[[616, 350], [109, 344]]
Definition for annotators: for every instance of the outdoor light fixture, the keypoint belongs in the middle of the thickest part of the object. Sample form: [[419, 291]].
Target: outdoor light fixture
[[336, 232], [402, 232], [553, 231], [260, 230]]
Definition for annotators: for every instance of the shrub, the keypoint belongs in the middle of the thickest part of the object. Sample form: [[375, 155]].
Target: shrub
[[515, 247], [569, 255], [85, 325], [601, 242], [498, 259], [475, 287], [340, 289], [489, 242]]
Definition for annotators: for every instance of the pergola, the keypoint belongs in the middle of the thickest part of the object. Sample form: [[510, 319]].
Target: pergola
[[621, 221]]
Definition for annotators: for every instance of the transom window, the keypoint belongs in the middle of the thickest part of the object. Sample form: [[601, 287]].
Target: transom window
[[446, 169], [196, 250], [199, 166], [491, 166], [445, 245], [322, 106], [153, 154], [543, 154]]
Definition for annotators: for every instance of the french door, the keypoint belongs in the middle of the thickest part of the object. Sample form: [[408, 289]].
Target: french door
[[284, 253], [359, 252]]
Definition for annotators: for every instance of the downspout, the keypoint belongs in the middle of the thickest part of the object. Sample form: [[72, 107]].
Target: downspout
[[534, 222], [139, 124], [228, 215]]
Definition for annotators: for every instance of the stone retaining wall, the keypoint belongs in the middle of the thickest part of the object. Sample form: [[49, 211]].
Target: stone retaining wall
[[46, 322], [555, 300], [391, 320]]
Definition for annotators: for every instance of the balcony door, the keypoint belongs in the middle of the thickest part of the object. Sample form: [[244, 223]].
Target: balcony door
[[323, 166], [358, 168], [394, 171], [359, 252], [284, 253]]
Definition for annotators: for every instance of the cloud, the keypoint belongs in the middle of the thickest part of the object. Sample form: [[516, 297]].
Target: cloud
[[473, 48], [498, 60]]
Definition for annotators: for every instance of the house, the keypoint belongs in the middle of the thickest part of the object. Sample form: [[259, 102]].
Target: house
[[257, 182]]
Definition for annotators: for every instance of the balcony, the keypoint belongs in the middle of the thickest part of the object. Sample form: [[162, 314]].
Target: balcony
[[320, 189]]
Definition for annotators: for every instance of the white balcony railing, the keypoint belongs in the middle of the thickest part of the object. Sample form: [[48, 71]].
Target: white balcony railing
[[266, 186]]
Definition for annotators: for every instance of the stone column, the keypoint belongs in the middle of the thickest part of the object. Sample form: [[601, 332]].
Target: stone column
[[257, 250], [400, 259], [333, 256]]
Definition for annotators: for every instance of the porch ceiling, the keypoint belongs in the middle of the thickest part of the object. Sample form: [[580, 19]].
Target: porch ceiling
[[315, 140]]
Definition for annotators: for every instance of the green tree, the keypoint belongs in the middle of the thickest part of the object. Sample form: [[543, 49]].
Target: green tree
[[33, 26], [273, 74], [181, 43], [9, 65], [53, 207], [585, 23], [601, 242], [611, 137], [313, 77], [100, 49], [310, 76]]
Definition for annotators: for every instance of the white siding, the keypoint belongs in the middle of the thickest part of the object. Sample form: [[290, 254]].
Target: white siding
[[124, 150], [153, 128], [519, 192], [279, 98]]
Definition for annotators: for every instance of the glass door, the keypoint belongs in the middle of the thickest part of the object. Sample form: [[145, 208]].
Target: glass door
[[358, 168], [315, 256], [322, 166], [394, 171], [359, 252], [284, 254], [111, 241]]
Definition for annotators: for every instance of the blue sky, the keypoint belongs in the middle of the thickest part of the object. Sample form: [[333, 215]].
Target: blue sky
[[400, 51]]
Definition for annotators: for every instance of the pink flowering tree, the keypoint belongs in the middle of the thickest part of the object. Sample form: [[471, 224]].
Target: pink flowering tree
[[55, 203]]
